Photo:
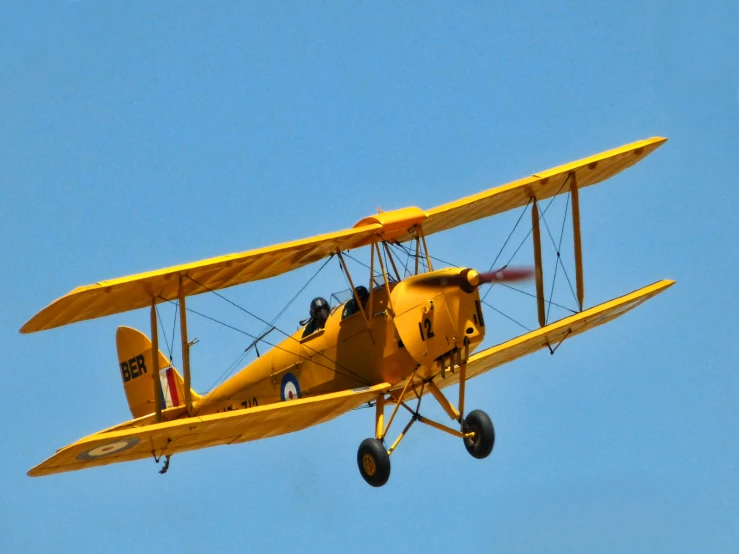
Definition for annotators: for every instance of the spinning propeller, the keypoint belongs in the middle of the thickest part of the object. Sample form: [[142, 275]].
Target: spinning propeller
[[469, 279]]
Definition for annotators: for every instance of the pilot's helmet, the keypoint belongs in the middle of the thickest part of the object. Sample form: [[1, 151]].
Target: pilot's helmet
[[362, 293], [319, 308]]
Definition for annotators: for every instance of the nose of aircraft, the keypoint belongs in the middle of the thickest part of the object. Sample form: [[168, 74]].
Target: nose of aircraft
[[469, 279], [435, 313]]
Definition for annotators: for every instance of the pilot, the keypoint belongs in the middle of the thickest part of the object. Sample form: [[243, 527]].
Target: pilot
[[351, 306], [319, 312]]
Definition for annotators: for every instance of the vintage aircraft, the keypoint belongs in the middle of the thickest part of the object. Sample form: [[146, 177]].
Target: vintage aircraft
[[389, 344]]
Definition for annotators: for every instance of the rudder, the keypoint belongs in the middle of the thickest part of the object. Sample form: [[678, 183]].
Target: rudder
[[135, 362]]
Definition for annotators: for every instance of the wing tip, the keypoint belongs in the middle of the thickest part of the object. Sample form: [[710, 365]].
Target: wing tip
[[660, 286], [36, 472], [654, 142], [36, 323], [47, 317], [32, 326]]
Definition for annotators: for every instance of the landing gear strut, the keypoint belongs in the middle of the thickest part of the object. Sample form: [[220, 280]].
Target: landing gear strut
[[477, 430]]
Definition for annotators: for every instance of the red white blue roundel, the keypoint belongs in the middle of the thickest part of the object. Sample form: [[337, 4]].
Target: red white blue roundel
[[290, 388], [108, 449]]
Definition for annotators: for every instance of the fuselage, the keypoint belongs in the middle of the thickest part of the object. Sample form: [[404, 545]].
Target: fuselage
[[416, 330]]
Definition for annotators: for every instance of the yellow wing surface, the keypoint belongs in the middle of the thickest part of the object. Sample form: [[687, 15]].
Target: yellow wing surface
[[542, 185], [138, 291], [550, 335], [124, 444]]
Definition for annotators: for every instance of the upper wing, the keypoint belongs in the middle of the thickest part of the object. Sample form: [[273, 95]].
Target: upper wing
[[517, 194], [136, 291], [124, 445], [550, 335]]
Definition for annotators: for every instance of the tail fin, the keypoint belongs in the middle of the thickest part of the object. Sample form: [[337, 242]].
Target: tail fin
[[135, 361]]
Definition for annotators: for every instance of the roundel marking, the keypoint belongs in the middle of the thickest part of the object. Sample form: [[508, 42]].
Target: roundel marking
[[290, 388], [108, 449]]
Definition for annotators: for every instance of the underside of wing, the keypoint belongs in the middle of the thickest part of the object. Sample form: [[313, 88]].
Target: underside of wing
[[550, 335], [517, 194], [137, 291], [161, 439]]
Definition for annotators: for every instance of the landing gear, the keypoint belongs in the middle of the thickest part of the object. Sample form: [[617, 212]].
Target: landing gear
[[374, 462], [480, 445], [476, 429]]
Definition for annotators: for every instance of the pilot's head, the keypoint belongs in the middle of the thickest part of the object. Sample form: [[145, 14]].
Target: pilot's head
[[362, 294], [319, 310]]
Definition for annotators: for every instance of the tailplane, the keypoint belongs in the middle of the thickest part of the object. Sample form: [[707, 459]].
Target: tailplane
[[135, 362]]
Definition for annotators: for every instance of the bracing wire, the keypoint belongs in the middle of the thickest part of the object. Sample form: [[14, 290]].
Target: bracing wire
[[359, 378], [534, 296], [174, 324], [164, 333], [411, 254], [558, 248], [377, 273], [234, 365], [541, 215], [507, 316], [505, 243], [289, 303], [355, 377]]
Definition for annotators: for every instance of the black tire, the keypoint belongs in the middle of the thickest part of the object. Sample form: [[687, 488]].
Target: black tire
[[374, 462], [481, 445]]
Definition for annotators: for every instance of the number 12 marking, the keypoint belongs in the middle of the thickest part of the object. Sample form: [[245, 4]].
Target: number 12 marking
[[429, 331]]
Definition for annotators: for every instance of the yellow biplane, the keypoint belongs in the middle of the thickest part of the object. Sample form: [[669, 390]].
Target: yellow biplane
[[386, 345]]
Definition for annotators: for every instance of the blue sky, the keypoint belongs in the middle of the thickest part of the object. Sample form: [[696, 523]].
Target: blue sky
[[140, 135]]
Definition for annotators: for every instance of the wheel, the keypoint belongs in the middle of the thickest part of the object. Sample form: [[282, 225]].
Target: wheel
[[481, 445], [374, 462]]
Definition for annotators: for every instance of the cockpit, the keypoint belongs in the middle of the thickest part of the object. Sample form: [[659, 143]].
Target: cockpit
[[343, 301]]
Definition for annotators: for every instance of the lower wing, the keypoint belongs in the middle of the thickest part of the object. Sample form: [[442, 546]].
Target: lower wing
[[548, 336], [172, 437]]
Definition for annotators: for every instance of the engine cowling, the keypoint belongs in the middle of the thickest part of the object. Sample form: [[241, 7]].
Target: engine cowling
[[435, 320]]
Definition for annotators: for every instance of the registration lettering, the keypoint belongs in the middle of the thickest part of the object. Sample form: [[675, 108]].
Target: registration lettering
[[135, 367]]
